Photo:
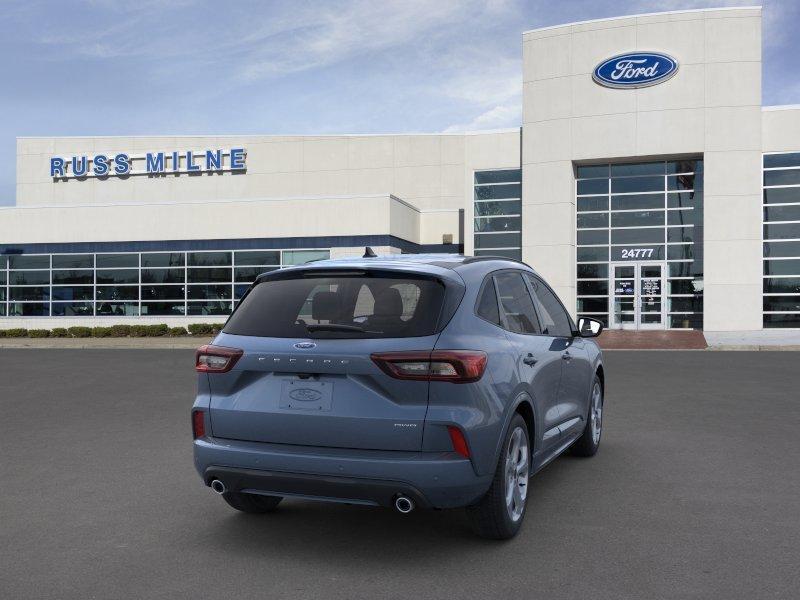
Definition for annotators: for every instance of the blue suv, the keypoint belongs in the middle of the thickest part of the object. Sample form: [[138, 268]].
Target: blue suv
[[410, 381]]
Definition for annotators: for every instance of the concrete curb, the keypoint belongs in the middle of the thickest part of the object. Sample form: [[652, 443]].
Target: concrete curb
[[756, 347], [167, 343], [191, 343]]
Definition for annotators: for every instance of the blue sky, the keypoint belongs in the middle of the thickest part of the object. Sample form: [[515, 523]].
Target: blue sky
[[105, 67]]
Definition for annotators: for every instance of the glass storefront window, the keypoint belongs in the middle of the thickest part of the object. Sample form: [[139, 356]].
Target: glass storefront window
[[28, 309], [73, 261], [299, 257], [65, 277], [258, 257], [117, 276], [24, 261], [163, 276], [781, 287], [72, 309], [115, 261], [592, 220], [641, 212], [209, 259], [131, 283], [638, 218], [782, 267], [29, 278], [84, 292], [209, 275], [163, 259], [497, 210]]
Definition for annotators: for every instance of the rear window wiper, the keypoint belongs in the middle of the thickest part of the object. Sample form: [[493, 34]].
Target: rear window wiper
[[337, 327]]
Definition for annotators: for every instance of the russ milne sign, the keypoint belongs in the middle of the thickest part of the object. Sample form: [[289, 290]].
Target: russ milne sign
[[635, 70], [150, 163]]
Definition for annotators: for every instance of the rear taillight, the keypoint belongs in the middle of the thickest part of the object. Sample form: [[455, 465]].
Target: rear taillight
[[459, 441], [216, 359], [198, 424], [456, 366]]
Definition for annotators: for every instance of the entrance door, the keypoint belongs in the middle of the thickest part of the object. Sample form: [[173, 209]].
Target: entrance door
[[637, 295]]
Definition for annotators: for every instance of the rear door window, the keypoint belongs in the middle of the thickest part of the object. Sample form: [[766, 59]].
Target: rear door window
[[372, 305], [555, 320], [516, 307]]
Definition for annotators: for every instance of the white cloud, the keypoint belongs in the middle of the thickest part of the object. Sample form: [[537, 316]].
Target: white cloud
[[497, 117], [331, 34]]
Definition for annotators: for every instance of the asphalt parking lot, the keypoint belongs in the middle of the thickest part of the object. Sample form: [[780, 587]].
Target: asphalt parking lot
[[695, 493]]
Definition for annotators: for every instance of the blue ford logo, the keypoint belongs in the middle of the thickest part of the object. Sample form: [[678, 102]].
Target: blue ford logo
[[305, 395], [635, 70], [305, 345]]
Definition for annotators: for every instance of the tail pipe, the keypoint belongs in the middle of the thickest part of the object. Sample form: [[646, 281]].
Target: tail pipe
[[403, 504], [218, 487]]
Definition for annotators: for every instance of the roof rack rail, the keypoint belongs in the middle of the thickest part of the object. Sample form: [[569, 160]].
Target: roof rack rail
[[472, 259]]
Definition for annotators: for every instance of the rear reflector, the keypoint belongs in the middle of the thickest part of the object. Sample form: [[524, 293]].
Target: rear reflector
[[216, 359], [459, 441], [456, 366], [198, 424]]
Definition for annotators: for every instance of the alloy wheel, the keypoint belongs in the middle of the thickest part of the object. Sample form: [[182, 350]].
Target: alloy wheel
[[517, 469], [596, 415]]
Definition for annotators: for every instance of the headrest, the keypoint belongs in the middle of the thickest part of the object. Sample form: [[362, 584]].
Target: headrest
[[326, 306], [388, 303]]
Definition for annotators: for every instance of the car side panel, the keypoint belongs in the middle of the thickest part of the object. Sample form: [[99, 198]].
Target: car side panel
[[576, 383], [477, 408]]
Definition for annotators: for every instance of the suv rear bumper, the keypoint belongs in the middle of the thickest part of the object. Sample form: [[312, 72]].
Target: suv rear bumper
[[431, 479]]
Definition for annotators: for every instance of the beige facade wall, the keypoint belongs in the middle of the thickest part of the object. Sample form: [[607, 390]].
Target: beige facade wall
[[271, 218], [781, 128], [712, 107], [433, 173]]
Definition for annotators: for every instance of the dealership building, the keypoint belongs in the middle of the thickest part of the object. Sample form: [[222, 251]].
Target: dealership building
[[647, 184]]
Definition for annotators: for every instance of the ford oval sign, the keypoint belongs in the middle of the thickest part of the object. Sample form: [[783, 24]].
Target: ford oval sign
[[305, 345], [635, 70], [305, 395]]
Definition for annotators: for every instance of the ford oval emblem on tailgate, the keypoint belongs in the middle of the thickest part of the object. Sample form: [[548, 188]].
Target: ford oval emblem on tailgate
[[305, 345], [305, 395]]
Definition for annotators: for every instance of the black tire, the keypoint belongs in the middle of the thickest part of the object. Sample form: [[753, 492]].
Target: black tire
[[589, 442], [490, 517], [252, 503]]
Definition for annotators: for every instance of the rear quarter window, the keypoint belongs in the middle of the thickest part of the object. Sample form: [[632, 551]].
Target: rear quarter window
[[486, 308]]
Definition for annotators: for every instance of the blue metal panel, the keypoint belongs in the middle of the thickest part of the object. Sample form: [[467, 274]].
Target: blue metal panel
[[229, 244]]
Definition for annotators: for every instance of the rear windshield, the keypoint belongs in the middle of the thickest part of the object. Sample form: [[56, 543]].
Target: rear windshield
[[350, 306]]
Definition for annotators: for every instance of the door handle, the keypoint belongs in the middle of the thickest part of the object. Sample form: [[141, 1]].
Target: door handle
[[566, 355], [529, 360]]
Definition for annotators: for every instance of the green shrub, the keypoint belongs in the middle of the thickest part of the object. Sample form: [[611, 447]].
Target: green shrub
[[59, 332], [157, 330], [138, 331], [177, 331], [2, 333], [101, 332], [120, 330], [205, 328], [38, 333], [16, 332], [199, 328], [80, 332]]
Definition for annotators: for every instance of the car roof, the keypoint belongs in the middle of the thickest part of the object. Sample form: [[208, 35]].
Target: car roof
[[466, 267], [447, 261]]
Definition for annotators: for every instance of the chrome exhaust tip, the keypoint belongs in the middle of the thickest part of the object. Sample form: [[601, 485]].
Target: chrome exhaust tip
[[218, 487], [403, 504]]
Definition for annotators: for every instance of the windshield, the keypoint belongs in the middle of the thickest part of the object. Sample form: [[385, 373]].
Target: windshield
[[368, 305]]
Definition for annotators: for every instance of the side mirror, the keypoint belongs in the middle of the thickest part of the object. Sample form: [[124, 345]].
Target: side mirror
[[588, 327]]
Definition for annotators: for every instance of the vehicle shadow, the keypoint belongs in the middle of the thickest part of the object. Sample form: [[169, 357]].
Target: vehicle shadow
[[331, 533]]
